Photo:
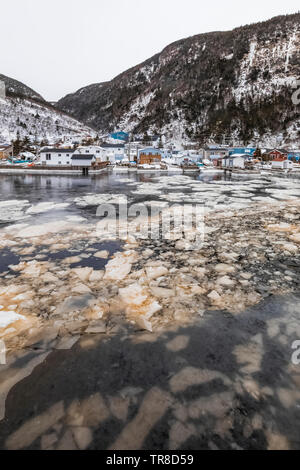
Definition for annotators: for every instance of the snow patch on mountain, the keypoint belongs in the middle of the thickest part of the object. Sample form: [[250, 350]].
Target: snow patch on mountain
[[29, 118]]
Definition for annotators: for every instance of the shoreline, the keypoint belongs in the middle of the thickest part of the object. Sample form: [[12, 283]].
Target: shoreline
[[62, 172]]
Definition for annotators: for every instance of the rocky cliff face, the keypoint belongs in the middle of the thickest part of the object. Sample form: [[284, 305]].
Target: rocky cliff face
[[236, 84]]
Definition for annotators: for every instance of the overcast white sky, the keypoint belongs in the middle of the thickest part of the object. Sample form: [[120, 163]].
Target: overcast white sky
[[58, 46]]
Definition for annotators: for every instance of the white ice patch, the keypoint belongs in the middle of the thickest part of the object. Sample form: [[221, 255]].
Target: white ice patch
[[9, 317], [43, 229], [13, 210], [75, 218], [98, 199], [45, 207]]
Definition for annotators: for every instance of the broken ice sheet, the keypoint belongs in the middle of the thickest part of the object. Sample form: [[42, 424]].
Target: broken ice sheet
[[45, 207], [13, 210]]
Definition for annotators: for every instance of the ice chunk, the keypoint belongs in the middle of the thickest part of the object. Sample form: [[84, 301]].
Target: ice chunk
[[225, 281], [83, 273], [43, 229], [120, 266], [45, 207], [102, 254], [96, 276], [134, 294], [155, 272], [224, 268], [9, 317]]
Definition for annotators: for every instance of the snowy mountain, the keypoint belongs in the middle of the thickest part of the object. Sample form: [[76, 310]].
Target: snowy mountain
[[15, 88], [26, 112], [236, 83]]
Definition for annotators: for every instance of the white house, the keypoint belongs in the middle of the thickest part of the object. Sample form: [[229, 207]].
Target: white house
[[234, 161], [114, 151], [82, 160], [284, 165], [56, 156]]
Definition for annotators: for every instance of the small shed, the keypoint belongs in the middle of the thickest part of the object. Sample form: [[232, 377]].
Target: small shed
[[83, 162]]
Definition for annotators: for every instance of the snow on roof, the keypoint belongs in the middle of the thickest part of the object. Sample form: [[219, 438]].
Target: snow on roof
[[56, 150]]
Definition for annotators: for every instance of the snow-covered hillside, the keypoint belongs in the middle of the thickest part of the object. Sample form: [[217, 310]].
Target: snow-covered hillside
[[37, 121], [220, 85], [25, 111]]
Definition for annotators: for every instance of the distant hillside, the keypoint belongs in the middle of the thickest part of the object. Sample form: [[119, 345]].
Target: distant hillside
[[235, 83], [15, 88], [26, 112]]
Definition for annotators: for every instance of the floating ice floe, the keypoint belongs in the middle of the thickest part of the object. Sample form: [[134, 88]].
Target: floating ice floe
[[13, 210], [97, 199], [45, 207], [75, 218], [43, 229]]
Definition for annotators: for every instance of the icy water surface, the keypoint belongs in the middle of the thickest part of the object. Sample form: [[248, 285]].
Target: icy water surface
[[215, 373], [35, 199]]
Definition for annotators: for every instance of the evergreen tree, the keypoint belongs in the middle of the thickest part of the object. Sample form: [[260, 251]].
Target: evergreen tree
[[17, 145]]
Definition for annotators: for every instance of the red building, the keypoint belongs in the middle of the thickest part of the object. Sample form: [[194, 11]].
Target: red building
[[278, 155]]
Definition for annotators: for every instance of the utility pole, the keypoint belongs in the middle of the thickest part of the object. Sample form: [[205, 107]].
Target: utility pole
[[129, 147]]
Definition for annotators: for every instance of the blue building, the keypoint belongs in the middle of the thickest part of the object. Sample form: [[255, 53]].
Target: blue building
[[294, 155], [120, 136], [243, 151]]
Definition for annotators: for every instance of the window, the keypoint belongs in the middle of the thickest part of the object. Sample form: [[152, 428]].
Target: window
[[48, 156], [59, 163]]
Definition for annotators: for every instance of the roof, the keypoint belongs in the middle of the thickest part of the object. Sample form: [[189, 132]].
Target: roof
[[112, 146], [236, 155], [282, 151], [151, 149], [56, 150], [216, 147], [81, 156], [5, 147]]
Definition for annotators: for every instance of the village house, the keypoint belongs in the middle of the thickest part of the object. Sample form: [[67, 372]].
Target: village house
[[216, 151], [294, 155], [277, 155], [80, 160], [234, 161], [114, 151], [6, 151], [101, 155], [243, 151], [149, 156], [56, 156]]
